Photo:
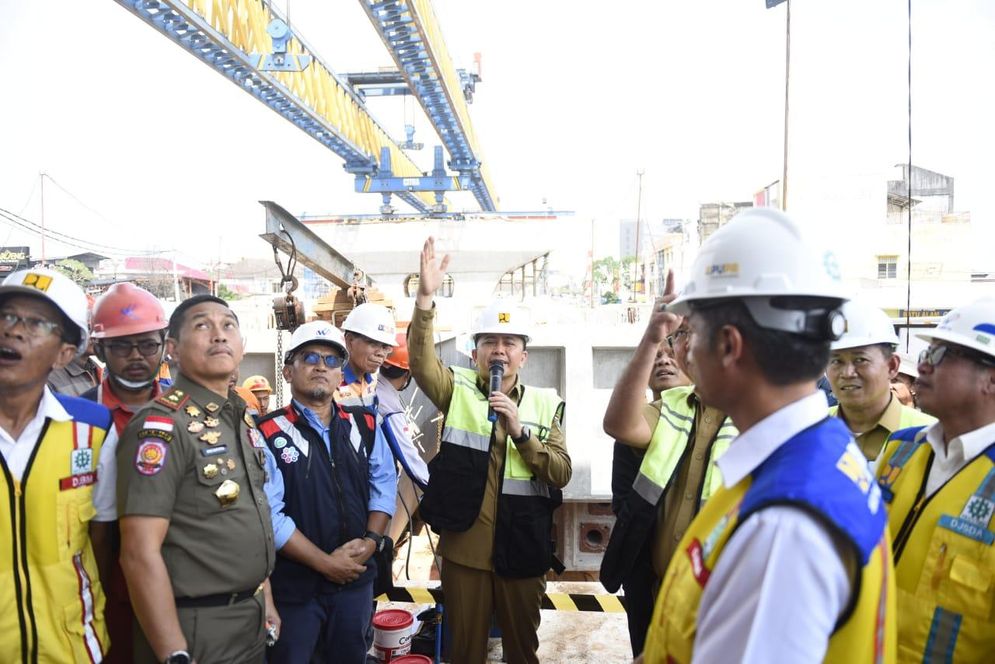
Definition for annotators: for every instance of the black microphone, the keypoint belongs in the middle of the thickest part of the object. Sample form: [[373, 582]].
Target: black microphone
[[497, 374]]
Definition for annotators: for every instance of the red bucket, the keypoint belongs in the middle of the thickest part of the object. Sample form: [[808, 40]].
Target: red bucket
[[392, 635]]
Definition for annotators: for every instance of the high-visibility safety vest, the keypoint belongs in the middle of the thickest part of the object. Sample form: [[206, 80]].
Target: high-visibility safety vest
[[53, 604], [800, 472], [637, 517], [944, 552], [458, 477]]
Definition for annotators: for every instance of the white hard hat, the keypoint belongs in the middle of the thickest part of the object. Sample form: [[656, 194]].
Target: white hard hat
[[56, 288], [971, 326], [866, 325], [374, 321], [503, 317], [317, 331], [908, 365], [762, 254]]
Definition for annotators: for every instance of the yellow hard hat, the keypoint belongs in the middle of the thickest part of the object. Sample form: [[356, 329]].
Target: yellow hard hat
[[257, 384]]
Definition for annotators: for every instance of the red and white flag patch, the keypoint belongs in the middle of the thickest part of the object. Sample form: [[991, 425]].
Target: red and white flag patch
[[156, 422]]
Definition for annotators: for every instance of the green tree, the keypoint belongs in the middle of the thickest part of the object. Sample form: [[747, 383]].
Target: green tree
[[226, 293], [75, 270], [614, 275]]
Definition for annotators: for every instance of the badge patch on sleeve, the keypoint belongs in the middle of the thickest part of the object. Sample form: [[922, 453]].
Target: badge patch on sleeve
[[151, 457]]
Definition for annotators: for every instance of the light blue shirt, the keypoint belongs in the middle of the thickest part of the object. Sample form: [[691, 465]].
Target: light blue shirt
[[383, 479]]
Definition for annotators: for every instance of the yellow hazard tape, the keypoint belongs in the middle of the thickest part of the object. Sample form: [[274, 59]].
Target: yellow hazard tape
[[550, 601]]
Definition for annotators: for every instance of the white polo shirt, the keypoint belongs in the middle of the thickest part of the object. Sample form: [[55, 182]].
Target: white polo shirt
[[16, 454]]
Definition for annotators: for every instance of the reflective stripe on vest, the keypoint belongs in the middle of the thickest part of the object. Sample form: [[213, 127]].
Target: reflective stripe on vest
[[946, 567], [467, 426], [671, 437]]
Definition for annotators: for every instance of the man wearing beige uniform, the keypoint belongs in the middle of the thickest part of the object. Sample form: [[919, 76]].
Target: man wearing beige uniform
[[494, 483]]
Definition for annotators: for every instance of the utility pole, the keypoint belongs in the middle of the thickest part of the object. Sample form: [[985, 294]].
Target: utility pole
[[787, 75], [41, 177], [635, 263]]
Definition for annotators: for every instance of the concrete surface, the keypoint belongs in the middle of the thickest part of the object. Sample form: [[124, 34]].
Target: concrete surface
[[565, 637]]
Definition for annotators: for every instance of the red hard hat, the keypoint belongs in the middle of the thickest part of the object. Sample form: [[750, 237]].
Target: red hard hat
[[399, 354], [126, 309]]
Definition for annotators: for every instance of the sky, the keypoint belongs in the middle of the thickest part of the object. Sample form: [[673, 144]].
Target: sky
[[149, 150]]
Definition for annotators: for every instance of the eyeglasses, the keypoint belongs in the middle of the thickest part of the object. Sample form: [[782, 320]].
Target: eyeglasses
[[676, 338], [122, 349], [313, 358], [935, 354], [35, 327]]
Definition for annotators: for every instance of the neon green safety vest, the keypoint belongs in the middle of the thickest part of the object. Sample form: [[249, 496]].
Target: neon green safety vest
[[637, 518], [522, 544]]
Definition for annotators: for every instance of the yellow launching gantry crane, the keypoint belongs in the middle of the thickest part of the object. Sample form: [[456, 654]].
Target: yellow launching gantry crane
[[250, 44]]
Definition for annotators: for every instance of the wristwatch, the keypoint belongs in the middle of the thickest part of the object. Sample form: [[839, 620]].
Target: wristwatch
[[377, 540], [178, 657], [524, 438]]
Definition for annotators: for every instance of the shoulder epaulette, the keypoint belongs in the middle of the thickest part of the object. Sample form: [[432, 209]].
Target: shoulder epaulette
[[173, 399]]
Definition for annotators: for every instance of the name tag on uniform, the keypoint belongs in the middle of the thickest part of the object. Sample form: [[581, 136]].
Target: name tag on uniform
[[77, 481], [967, 529]]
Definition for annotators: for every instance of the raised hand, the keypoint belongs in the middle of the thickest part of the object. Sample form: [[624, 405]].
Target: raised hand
[[663, 322], [431, 273]]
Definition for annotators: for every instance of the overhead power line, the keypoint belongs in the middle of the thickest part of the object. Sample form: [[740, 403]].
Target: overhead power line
[[71, 240]]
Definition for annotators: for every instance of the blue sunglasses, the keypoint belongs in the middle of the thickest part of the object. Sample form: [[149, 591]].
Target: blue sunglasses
[[314, 358]]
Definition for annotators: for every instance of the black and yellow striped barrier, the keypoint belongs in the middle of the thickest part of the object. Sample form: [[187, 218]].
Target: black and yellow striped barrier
[[551, 601]]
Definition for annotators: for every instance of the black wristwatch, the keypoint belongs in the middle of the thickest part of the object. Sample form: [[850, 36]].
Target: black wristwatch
[[377, 540], [178, 657], [524, 438]]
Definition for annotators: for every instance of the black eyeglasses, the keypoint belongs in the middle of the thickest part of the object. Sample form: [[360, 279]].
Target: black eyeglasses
[[314, 358], [122, 349], [35, 327], [676, 338], [935, 354]]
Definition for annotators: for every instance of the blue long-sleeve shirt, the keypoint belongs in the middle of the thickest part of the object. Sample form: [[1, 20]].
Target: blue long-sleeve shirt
[[383, 479]]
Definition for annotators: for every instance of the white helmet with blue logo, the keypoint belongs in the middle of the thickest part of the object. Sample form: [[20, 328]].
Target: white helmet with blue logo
[[971, 326], [763, 259], [319, 332], [373, 321]]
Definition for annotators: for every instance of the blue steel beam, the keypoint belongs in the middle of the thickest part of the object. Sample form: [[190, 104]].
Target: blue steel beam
[[187, 28], [408, 29]]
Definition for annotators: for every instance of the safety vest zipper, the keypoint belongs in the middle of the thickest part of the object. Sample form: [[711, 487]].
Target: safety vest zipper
[[14, 495]]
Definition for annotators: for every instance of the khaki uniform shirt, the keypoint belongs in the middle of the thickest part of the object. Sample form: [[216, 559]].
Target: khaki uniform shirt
[[682, 499], [196, 459], [550, 462], [872, 440]]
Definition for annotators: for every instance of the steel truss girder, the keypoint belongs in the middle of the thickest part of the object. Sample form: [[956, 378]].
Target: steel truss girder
[[411, 33], [223, 33]]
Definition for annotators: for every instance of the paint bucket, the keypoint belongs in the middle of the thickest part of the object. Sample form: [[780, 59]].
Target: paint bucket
[[412, 659], [392, 634]]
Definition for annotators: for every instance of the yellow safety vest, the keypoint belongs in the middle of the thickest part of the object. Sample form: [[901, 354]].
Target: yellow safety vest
[[522, 545], [53, 603], [637, 517], [944, 553], [867, 633], [670, 438], [467, 424]]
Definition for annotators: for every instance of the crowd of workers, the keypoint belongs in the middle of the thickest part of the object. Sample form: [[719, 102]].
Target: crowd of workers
[[755, 523]]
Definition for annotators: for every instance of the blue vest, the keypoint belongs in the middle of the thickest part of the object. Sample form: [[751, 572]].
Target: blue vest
[[849, 501], [326, 496]]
